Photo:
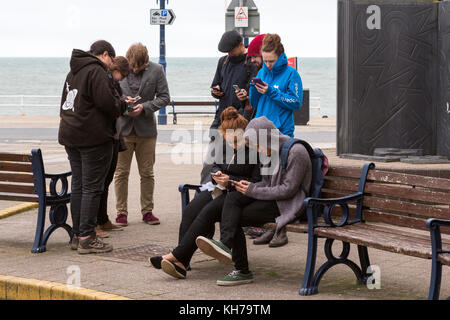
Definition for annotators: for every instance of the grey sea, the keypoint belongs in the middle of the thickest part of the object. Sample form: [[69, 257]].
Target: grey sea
[[33, 86]]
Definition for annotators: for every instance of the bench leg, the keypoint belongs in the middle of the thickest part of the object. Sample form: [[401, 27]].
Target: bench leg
[[365, 262], [308, 278], [311, 283], [58, 218], [435, 283], [38, 243]]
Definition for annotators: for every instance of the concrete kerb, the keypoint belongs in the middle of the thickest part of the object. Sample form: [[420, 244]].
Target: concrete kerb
[[22, 207], [14, 288]]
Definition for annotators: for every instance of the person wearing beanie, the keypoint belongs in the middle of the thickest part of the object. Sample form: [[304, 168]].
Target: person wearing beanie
[[254, 51], [233, 69]]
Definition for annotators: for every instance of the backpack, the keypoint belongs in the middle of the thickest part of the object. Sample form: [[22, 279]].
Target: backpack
[[319, 164]]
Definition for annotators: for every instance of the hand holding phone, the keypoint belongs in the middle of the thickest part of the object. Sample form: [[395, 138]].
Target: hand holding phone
[[257, 81]]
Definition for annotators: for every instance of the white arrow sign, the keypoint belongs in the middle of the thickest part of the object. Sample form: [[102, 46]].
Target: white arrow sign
[[162, 16]]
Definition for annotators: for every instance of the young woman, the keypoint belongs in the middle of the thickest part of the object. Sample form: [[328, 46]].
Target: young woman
[[280, 91], [205, 209], [278, 197]]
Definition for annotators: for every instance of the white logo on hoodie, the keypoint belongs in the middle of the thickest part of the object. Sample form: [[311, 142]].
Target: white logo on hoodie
[[70, 99]]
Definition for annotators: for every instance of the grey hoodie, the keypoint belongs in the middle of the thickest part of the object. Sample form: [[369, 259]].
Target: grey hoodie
[[285, 189]]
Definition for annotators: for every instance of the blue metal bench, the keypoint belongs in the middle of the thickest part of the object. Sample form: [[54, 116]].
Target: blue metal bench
[[384, 210], [24, 179]]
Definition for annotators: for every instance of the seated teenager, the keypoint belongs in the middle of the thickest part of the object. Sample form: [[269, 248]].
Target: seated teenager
[[278, 197], [205, 209]]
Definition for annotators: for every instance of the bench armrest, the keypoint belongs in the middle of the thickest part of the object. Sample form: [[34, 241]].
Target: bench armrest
[[58, 175], [434, 225], [314, 210], [184, 190]]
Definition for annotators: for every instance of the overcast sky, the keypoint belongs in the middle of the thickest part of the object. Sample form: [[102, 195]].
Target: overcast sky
[[52, 28]]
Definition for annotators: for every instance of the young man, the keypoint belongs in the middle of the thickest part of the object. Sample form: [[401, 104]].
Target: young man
[[138, 127], [233, 69], [89, 109]]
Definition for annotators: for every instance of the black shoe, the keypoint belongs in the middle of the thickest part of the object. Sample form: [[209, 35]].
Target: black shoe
[[265, 238], [155, 261], [172, 269], [279, 239]]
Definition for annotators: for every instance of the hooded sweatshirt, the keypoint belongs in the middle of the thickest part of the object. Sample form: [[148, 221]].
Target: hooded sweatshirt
[[283, 97], [285, 188], [89, 103]]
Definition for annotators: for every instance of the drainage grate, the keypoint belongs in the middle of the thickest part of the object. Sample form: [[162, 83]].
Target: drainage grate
[[138, 253]]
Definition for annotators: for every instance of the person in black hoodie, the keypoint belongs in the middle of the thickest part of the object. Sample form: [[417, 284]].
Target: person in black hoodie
[[205, 209], [89, 108], [235, 68]]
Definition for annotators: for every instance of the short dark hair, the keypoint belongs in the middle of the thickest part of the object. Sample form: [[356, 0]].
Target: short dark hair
[[100, 46]]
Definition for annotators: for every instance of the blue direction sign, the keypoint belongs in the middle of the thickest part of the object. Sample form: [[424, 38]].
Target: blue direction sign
[[162, 16]]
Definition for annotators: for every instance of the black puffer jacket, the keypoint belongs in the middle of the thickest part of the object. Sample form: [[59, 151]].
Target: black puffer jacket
[[242, 164]]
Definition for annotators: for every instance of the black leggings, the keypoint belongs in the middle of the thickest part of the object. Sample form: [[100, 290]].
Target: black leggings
[[202, 213]]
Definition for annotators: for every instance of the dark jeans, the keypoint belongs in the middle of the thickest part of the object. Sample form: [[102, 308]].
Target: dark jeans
[[200, 221], [89, 167], [199, 218], [102, 215], [241, 211]]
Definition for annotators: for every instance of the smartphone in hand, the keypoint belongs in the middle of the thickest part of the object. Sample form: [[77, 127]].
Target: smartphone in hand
[[257, 81]]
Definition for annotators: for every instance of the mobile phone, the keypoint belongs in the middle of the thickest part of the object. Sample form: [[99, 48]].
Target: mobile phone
[[215, 174], [137, 98], [257, 80], [236, 87]]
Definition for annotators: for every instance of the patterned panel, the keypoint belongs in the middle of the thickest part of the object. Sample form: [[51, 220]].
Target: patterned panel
[[392, 81], [443, 110]]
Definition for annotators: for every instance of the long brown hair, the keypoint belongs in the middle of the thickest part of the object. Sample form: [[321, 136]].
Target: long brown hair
[[231, 120], [137, 56]]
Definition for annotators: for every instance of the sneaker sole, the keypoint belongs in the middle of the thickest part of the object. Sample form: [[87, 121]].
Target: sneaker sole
[[212, 250], [87, 251], [168, 268], [233, 283], [152, 223]]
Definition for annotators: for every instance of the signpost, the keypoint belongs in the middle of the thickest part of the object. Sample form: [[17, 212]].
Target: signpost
[[243, 16], [162, 17]]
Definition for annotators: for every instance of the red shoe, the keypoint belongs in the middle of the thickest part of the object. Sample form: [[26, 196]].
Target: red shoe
[[121, 220], [150, 218]]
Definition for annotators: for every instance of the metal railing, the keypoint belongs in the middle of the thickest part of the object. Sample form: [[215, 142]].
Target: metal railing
[[21, 102]]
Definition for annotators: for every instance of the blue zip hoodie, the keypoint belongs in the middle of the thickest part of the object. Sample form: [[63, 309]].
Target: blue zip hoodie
[[284, 95]]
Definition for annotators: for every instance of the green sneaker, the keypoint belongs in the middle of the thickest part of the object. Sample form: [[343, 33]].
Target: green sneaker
[[235, 278], [215, 249]]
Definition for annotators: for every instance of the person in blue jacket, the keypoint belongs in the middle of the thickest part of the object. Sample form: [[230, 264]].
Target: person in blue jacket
[[280, 92]]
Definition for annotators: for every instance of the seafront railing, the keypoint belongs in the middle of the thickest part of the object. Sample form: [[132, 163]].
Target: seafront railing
[[49, 104]]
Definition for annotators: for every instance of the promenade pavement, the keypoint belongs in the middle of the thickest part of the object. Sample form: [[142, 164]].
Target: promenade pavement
[[278, 272]]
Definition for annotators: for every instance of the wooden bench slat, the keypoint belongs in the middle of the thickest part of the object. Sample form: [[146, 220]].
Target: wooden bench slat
[[444, 258], [412, 208], [16, 188], [392, 177], [16, 177], [401, 191], [13, 197], [15, 167], [362, 234], [15, 157]]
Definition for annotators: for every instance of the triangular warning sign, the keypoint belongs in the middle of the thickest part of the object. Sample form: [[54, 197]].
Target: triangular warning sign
[[241, 14]]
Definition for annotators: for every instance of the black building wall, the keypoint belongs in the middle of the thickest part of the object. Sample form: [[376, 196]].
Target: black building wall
[[390, 79]]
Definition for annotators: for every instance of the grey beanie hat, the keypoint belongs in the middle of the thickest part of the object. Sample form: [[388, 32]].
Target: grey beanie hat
[[230, 40]]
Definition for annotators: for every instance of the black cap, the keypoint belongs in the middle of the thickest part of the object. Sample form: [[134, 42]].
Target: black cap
[[230, 40]]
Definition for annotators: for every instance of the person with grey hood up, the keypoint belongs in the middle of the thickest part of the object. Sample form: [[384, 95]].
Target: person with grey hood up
[[278, 197]]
